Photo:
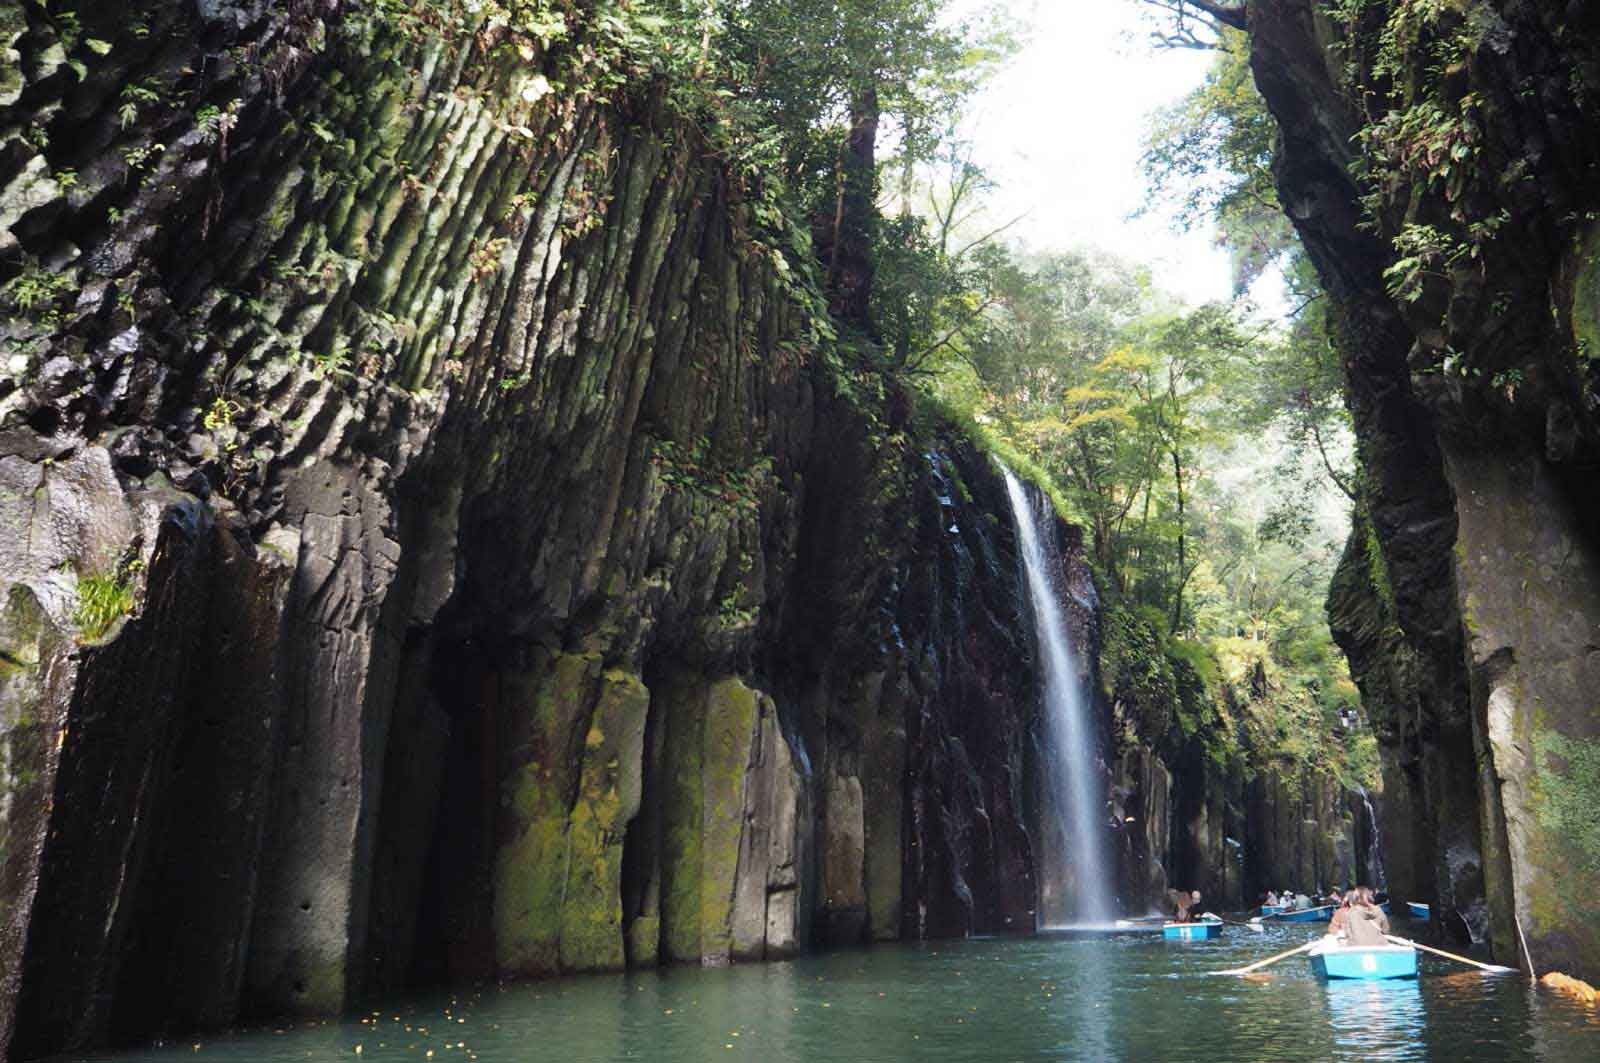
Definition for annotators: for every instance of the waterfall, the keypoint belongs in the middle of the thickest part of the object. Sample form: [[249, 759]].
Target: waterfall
[[1077, 803], [1374, 844]]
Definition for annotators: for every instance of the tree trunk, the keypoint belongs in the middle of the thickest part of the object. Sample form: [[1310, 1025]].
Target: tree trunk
[[850, 252], [1183, 578]]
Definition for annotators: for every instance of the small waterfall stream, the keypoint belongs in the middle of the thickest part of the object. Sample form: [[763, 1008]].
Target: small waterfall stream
[[1071, 764], [1374, 845]]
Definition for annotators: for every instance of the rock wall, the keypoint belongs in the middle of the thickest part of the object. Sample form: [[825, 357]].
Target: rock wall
[[442, 541], [1203, 802], [1468, 601]]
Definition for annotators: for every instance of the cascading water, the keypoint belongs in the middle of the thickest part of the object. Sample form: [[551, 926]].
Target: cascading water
[[1077, 803], [1374, 845]]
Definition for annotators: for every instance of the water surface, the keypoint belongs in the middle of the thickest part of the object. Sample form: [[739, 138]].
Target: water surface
[[1022, 999]]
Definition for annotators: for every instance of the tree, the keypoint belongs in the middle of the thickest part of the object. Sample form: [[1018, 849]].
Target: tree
[[829, 75], [1199, 24]]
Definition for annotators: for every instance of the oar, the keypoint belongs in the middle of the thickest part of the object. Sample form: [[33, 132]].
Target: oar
[[1270, 959], [1490, 967], [1232, 922]]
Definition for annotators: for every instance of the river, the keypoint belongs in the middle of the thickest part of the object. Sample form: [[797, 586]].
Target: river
[[1047, 998]]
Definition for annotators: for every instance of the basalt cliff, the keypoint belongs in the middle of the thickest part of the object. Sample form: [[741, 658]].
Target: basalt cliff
[[441, 540], [1440, 162]]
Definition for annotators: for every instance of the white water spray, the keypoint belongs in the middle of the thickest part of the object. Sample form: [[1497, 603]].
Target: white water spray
[[1071, 766], [1374, 845]]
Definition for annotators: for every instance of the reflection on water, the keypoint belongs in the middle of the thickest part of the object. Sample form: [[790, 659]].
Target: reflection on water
[[1376, 1020], [1131, 997]]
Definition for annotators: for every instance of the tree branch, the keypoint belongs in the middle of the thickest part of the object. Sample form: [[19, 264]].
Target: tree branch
[[1198, 23], [1338, 480]]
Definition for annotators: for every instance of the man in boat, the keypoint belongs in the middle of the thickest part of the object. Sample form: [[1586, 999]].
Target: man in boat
[[1182, 901], [1360, 920]]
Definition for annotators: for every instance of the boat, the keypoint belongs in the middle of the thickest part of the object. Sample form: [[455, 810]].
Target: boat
[[1305, 915], [1332, 960], [1418, 911], [1273, 909], [1201, 931]]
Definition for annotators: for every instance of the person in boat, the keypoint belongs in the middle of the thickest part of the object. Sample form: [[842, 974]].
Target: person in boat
[[1270, 900], [1359, 920], [1183, 901]]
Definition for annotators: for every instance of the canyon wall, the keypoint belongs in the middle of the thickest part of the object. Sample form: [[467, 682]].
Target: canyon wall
[[1439, 163], [443, 540], [1202, 794]]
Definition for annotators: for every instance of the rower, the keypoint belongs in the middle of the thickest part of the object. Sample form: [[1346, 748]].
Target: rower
[[1359, 919], [1182, 902]]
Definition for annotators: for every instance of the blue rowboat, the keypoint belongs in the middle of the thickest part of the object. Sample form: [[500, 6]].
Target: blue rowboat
[[1373, 961], [1306, 915], [1271, 909], [1418, 911], [1192, 931]]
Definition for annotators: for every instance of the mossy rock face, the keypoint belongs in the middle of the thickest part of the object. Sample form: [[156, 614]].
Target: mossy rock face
[[1531, 604], [710, 729], [682, 700], [571, 786], [28, 754], [1586, 298], [735, 826], [1566, 806], [609, 790], [729, 729]]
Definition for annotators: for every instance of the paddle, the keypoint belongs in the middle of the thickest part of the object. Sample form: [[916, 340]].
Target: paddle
[[1490, 967], [1270, 959], [1232, 922]]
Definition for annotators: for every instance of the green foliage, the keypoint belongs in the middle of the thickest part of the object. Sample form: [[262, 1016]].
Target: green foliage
[[330, 364], [1198, 656], [104, 598], [695, 470], [1208, 160], [39, 292], [134, 96]]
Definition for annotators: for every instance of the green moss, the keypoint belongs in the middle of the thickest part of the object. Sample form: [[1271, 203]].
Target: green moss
[[709, 729], [935, 414], [530, 872], [1568, 801], [1378, 569], [323, 992], [607, 798], [1586, 298], [531, 867], [1564, 845], [729, 723], [682, 820], [1199, 657], [1136, 669]]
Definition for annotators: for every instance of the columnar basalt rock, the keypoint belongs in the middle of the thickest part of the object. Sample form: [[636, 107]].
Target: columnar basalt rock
[[504, 576], [1468, 598]]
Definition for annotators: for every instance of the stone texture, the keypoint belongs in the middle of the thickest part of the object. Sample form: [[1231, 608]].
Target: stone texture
[[528, 585], [1467, 602]]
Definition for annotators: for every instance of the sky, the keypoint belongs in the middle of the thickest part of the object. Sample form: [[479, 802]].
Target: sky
[[1060, 131]]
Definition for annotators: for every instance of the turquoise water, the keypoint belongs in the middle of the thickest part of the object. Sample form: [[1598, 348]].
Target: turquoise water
[[1129, 998]]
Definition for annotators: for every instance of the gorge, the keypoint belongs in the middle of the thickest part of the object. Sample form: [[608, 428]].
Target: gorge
[[449, 534]]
